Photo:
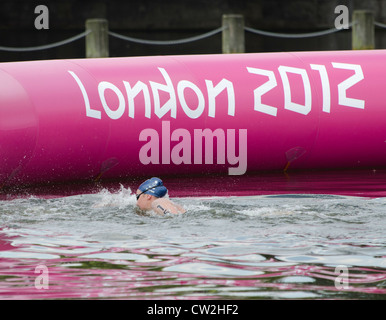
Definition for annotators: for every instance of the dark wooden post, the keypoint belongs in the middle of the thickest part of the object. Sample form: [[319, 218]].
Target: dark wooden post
[[97, 41], [233, 33], [363, 30]]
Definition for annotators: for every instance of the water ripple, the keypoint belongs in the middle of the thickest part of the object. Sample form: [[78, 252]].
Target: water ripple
[[272, 247]]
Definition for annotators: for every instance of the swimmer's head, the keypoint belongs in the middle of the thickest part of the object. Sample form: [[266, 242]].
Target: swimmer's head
[[154, 187], [148, 191]]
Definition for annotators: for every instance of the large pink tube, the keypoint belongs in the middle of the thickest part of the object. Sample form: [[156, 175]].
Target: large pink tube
[[74, 120]]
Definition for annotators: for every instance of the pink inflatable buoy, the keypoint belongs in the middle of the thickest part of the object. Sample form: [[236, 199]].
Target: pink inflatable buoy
[[116, 118]]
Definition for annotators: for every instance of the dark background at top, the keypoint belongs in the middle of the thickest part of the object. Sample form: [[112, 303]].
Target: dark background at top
[[176, 19]]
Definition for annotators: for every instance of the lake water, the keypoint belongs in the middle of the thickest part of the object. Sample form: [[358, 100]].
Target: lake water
[[268, 246]]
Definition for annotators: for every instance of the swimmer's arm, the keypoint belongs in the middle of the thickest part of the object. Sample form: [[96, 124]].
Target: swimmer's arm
[[180, 209], [160, 209], [163, 207]]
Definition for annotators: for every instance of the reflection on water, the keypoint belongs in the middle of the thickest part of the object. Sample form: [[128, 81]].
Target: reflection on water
[[251, 247]]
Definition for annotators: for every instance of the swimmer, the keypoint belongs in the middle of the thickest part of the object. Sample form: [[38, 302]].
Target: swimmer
[[150, 196]]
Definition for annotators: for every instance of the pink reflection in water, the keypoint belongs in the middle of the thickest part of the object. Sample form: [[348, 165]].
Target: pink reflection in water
[[76, 277]]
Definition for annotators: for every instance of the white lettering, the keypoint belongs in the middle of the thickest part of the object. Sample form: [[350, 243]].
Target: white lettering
[[42, 280], [193, 114], [171, 104], [159, 310], [264, 88], [348, 83], [341, 21], [342, 280], [165, 142], [208, 135], [288, 104], [113, 114], [193, 103], [185, 146], [151, 146], [89, 112], [241, 159], [213, 92], [133, 92], [325, 86], [41, 21]]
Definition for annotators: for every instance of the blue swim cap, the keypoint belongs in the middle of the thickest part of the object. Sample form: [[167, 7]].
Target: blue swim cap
[[154, 187]]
